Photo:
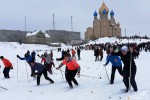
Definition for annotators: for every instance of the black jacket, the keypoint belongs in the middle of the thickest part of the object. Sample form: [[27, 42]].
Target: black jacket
[[126, 59]]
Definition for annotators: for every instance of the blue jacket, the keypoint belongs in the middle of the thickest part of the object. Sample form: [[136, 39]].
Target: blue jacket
[[115, 60], [28, 58]]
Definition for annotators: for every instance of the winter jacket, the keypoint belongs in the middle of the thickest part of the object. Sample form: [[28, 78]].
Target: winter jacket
[[115, 60], [73, 52], [48, 58], [126, 59], [28, 58], [39, 67], [33, 55], [96, 52], [7, 63], [101, 52], [71, 65]]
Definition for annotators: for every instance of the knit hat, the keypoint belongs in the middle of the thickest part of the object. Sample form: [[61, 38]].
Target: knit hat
[[124, 48]]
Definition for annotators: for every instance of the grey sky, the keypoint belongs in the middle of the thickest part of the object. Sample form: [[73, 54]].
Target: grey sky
[[132, 14]]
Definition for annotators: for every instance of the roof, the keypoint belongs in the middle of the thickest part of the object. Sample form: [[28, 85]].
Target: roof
[[103, 7], [32, 33], [46, 35], [36, 32]]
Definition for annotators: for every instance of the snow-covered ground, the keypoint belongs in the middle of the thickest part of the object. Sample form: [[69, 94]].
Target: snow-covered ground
[[89, 89]]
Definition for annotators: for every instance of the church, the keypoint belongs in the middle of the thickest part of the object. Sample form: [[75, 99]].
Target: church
[[103, 27]]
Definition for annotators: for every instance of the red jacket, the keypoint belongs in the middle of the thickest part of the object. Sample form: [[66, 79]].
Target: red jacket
[[71, 65], [43, 60], [7, 63]]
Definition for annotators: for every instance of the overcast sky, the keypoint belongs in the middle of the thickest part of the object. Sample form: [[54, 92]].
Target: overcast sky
[[134, 15]]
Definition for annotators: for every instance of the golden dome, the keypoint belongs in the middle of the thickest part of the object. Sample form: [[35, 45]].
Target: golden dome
[[103, 7]]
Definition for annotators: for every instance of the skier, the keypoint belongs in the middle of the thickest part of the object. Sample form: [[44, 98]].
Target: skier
[[73, 68], [49, 62], [8, 66], [28, 58], [116, 64], [126, 56], [78, 53], [41, 70], [33, 54]]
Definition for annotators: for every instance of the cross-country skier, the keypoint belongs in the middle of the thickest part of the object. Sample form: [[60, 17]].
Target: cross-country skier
[[41, 70], [8, 66], [116, 64], [72, 69], [126, 56], [28, 58]]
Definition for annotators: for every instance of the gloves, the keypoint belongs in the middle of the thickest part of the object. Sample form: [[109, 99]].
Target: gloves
[[17, 56], [38, 55], [78, 74], [11, 68], [56, 59], [104, 65], [57, 68]]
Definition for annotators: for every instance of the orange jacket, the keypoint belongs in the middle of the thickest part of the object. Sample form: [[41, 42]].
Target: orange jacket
[[72, 65], [7, 63]]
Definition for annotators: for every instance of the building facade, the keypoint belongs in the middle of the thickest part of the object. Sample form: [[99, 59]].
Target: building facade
[[37, 37], [12, 36], [103, 27], [63, 36]]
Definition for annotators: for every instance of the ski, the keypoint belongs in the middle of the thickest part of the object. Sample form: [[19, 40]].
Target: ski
[[3, 88]]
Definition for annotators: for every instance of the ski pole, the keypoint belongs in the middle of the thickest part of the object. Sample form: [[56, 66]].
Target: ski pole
[[3, 88], [90, 76], [130, 72], [107, 74], [101, 72], [26, 71], [17, 69], [61, 71]]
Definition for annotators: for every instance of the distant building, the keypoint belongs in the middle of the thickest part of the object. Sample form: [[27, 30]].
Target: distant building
[[103, 27], [38, 37], [12, 35], [63, 36], [50, 36]]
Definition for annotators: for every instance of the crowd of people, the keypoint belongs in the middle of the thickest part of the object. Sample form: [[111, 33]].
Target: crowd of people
[[116, 54]]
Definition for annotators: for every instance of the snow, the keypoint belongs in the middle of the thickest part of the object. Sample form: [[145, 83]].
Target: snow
[[32, 33], [36, 32], [89, 88], [113, 40], [46, 35]]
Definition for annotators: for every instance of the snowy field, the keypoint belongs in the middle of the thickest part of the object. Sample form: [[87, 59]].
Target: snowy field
[[89, 88]]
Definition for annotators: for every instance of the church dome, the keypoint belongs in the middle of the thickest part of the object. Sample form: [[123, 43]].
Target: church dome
[[95, 13], [112, 13], [103, 7]]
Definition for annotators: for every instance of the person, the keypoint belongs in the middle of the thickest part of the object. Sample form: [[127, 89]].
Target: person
[[116, 64], [41, 69], [73, 52], [8, 66], [28, 59], [78, 53], [96, 53], [101, 54], [127, 57], [33, 54], [49, 63], [72, 69]]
